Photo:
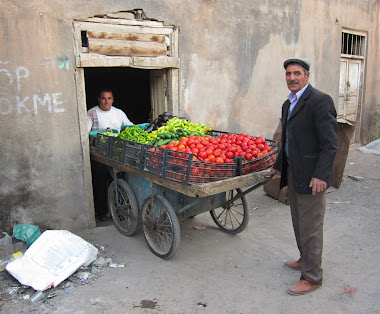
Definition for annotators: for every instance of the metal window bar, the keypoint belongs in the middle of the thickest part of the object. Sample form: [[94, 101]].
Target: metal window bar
[[352, 44]]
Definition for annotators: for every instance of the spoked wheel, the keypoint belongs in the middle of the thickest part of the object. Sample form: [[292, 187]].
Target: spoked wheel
[[234, 217], [161, 227], [123, 206]]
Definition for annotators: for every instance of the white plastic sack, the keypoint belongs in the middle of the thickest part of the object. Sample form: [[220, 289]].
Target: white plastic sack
[[53, 257], [371, 148]]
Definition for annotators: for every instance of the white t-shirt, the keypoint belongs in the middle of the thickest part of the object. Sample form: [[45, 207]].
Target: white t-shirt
[[98, 119]]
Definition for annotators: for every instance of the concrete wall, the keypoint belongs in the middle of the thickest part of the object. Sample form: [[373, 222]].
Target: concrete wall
[[231, 78]]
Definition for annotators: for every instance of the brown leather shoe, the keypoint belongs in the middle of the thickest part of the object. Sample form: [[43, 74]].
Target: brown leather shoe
[[296, 265], [303, 287]]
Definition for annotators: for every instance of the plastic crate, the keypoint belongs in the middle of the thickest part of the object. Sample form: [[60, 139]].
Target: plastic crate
[[185, 167], [121, 150], [102, 144], [204, 172], [134, 154], [258, 164], [116, 148]]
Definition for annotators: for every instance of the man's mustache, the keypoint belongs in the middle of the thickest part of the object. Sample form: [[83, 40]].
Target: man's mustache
[[293, 82]]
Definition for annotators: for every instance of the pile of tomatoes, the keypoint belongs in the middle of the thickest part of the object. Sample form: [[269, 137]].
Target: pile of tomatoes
[[223, 148]]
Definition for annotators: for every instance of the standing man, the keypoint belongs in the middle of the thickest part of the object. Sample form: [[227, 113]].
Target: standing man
[[305, 163], [101, 117]]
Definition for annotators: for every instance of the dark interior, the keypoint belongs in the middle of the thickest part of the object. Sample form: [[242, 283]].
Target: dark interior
[[131, 90]]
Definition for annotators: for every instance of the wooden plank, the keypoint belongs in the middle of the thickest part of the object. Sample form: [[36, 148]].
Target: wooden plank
[[117, 28], [121, 15], [87, 60], [160, 62], [146, 23], [193, 190], [113, 47], [127, 36]]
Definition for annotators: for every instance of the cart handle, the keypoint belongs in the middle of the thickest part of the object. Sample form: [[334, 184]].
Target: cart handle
[[240, 195]]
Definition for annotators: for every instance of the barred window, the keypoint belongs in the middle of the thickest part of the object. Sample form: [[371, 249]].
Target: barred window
[[353, 44]]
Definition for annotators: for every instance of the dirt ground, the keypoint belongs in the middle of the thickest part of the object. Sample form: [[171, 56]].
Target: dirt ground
[[214, 272]]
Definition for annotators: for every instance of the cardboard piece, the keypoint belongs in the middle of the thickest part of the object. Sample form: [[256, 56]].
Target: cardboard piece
[[345, 132]]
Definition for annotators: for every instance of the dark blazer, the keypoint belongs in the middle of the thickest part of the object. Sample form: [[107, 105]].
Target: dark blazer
[[312, 140]]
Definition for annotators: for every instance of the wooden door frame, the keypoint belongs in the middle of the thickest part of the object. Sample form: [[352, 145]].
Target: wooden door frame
[[85, 60]]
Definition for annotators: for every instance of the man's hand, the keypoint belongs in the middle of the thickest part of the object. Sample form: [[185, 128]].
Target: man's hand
[[317, 185], [275, 173]]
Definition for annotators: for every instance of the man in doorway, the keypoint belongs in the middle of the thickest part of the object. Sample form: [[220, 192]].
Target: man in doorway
[[101, 117], [305, 164], [104, 115]]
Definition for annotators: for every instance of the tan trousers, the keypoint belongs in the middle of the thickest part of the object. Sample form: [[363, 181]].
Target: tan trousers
[[308, 212]]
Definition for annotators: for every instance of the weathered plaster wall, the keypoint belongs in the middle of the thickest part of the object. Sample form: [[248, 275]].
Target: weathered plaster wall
[[41, 178], [231, 77]]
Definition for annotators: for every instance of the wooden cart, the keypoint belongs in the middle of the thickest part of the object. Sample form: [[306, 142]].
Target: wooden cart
[[137, 196]]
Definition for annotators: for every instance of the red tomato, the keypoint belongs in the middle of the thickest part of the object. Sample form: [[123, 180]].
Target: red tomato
[[219, 160], [202, 154], [194, 150], [260, 140], [211, 158], [248, 156], [260, 146], [209, 151], [204, 142], [199, 145], [217, 153], [229, 155]]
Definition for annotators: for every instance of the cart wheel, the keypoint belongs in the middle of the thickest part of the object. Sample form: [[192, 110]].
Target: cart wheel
[[234, 217], [160, 226], [124, 212]]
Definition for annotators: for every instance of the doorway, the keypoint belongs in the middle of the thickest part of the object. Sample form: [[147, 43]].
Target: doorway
[[130, 86], [138, 59], [351, 83]]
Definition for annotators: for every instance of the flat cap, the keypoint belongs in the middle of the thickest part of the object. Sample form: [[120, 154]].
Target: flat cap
[[302, 61]]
